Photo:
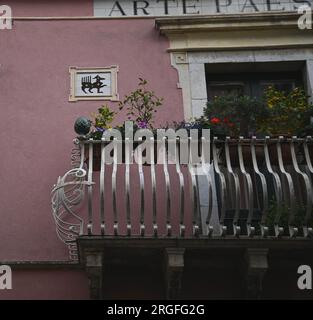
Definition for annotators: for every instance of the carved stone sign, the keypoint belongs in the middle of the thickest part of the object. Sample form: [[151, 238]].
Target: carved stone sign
[[93, 83], [153, 8]]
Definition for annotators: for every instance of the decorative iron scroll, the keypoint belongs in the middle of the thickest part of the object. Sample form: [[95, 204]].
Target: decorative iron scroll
[[67, 195]]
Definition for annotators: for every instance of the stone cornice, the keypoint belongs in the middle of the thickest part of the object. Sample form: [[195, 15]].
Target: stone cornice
[[236, 31], [226, 22]]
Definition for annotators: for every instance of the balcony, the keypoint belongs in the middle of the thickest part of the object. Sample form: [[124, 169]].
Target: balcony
[[242, 194]]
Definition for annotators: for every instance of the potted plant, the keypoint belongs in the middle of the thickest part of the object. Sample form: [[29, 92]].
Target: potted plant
[[100, 123], [141, 105], [234, 116], [287, 114]]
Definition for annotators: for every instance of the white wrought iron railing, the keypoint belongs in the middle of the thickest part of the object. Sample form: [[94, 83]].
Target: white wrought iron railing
[[248, 188]]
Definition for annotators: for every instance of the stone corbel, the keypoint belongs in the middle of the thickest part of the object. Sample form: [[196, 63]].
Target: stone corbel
[[256, 265], [94, 268], [174, 266]]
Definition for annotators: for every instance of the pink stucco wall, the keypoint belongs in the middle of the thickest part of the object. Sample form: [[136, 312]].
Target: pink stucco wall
[[37, 119], [48, 8]]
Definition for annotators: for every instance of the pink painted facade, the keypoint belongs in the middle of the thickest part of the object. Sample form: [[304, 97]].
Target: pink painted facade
[[215, 244], [37, 119], [43, 284], [46, 8]]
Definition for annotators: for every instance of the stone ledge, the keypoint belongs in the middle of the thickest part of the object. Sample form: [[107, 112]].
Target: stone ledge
[[29, 265]]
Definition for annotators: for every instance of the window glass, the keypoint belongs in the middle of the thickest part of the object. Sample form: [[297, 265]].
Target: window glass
[[225, 88], [248, 82]]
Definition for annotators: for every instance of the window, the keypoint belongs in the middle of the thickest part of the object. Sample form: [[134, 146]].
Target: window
[[251, 78]]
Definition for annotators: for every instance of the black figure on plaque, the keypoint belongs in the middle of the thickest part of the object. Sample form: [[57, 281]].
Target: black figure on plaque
[[88, 84]]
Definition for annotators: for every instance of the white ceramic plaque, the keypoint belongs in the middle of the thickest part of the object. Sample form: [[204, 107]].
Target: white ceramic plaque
[[94, 83]]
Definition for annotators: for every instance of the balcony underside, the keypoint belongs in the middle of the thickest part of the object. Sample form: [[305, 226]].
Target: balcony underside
[[98, 243], [200, 268]]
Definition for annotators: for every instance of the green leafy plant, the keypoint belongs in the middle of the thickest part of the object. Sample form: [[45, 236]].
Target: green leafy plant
[[287, 113], [306, 131], [299, 215], [101, 121], [141, 105], [193, 124], [104, 117], [234, 115]]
